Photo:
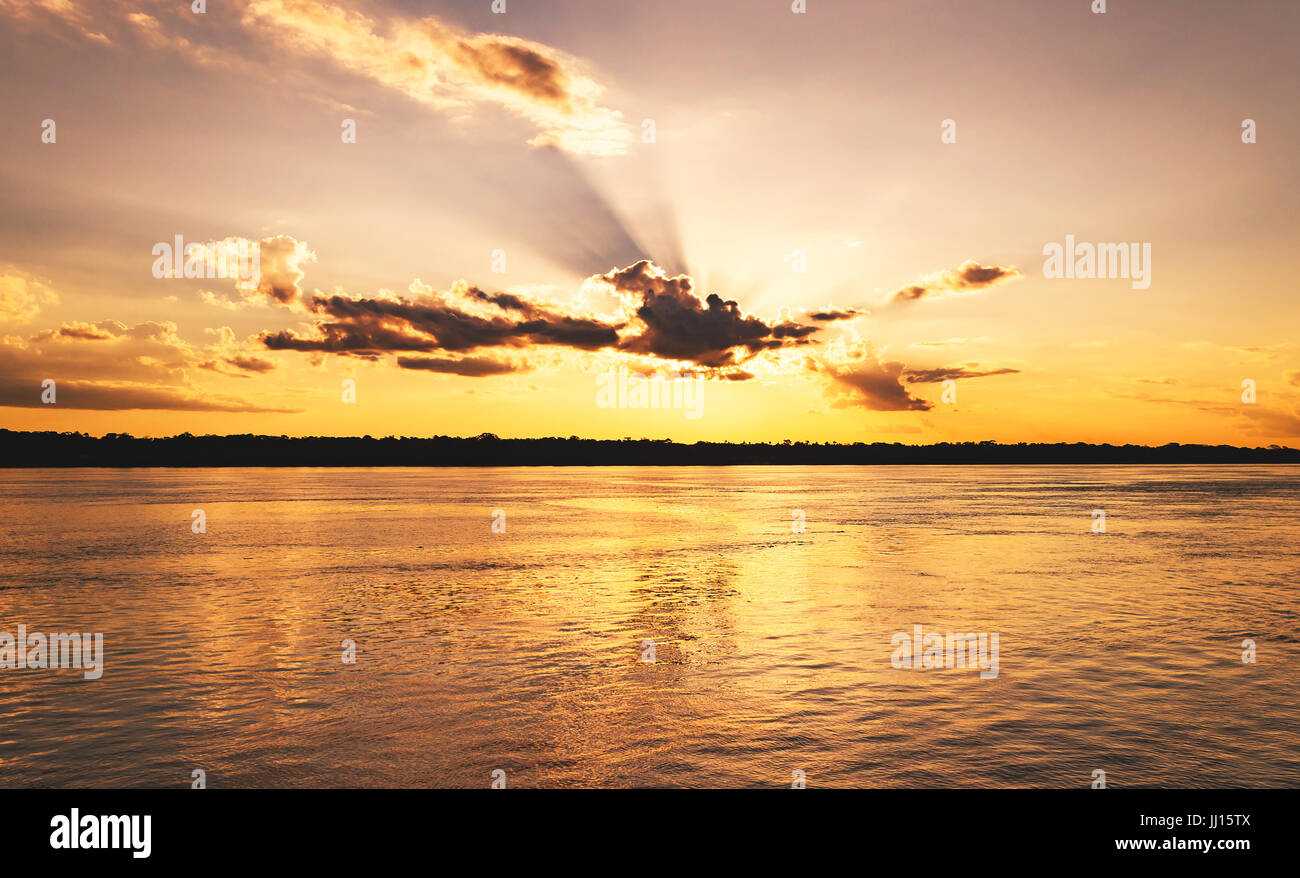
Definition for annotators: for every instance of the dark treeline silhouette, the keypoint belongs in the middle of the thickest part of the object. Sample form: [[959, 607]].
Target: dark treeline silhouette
[[18, 449]]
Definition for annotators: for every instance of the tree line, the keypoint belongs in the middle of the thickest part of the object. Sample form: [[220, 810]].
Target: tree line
[[53, 449]]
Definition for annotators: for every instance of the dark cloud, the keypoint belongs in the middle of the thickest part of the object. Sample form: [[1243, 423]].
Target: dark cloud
[[474, 367], [101, 396], [366, 342], [791, 330], [500, 61], [672, 323], [934, 376], [870, 384], [970, 276], [251, 364], [826, 315], [909, 294], [369, 328], [679, 325], [239, 366]]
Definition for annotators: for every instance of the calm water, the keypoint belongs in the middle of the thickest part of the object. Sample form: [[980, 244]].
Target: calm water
[[523, 650]]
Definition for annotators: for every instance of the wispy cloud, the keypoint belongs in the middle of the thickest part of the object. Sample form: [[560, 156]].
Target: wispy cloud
[[969, 277], [109, 366], [947, 373], [450, 70]]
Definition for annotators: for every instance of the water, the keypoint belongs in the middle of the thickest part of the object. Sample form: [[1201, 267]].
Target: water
[[522, 650]]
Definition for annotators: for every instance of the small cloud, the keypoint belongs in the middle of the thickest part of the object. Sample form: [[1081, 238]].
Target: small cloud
[[476, 367], [21, 296], [969, 277], [951, 342], [935, 376], [830, 313], [103, 331]]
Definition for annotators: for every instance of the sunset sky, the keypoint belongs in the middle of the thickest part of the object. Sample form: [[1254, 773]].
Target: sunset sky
[[652, 177]]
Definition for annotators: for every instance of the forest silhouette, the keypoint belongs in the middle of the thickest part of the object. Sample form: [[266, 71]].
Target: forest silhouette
[[52, 449]]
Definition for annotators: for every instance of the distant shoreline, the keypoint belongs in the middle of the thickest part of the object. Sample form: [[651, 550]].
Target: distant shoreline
[[49, 449]]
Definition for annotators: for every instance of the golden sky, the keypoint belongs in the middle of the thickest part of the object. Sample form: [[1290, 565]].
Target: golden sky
[[818, 217]]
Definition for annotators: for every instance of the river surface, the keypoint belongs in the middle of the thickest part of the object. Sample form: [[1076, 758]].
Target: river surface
[[654, 626]]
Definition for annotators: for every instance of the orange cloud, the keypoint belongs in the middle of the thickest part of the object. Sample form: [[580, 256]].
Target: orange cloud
[[111, 366], [969, 277], [447, 69], [21, 297]]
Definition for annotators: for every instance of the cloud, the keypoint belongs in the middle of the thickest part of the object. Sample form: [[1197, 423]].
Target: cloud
[[1274, 422], [239, 366], [369, 328], [110, 366], [1266, 351], [675, 323], [661, 317], [969, 277], [829, 314], [451, 70], [21, 297], [909, 294], [105, 330], [107, 396], [150, 31], [251, 364], [867, 382], [428, 60], [81, 19], [945, 373], [950, 342], [1266, 421], [228, 356], [280, 261], [476, 367], [273, 274]]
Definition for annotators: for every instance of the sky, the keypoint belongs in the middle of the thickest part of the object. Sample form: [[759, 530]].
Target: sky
[[470, 220]]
